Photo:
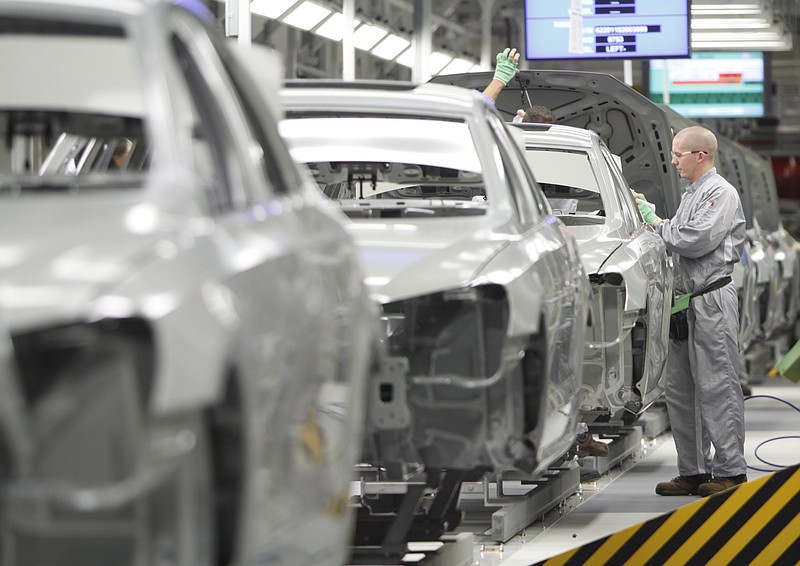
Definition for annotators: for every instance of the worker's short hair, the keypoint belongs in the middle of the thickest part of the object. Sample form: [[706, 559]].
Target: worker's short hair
[[539, 114]]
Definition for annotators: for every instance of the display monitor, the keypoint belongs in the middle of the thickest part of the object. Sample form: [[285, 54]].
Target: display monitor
[[712, 84], [606, 29]]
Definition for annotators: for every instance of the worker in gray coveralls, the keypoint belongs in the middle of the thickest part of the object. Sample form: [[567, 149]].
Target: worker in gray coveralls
[[704, 399]]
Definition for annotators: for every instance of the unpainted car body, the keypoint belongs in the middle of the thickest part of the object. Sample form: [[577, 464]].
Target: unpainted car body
[[630, 125], [767, 210], [191, 336], [484, 296], [627, 263]]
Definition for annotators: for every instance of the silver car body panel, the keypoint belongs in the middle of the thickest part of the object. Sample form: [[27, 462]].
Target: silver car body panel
[[219, 263], [417, 249], [767, 211], [612, 239]]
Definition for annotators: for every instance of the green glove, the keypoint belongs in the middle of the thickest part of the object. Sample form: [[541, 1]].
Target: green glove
[[647, 212], [506, 67]]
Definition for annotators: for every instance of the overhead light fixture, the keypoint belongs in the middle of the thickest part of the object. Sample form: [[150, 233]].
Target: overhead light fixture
[[723, 9], [367, 35], [271, 8], [310, 16], [439, 61], [729, 23], [718, 25], [306, 15], [727, 45], [390, 47], [457, 66], [406, 58], [333, 27], [741, 37], [754, 41]]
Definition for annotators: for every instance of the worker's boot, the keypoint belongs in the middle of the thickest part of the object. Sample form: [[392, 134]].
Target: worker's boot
[[586, 445], [682, 485], [716, 485]]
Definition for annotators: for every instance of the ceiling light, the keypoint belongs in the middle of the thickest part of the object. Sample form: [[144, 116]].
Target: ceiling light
[[733, 45], [457, 66], [723, 9], [306, 15], [367, 35], [729, 23], [775, 39], [271, 8], [333, 27], [477, 68], [390, 47], [740, 36], [406, 58], [438, 61]]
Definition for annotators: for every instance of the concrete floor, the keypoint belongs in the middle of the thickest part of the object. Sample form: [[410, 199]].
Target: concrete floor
[[626, 494]]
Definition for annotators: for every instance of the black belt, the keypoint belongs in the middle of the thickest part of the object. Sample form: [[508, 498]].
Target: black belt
[[718, 284]]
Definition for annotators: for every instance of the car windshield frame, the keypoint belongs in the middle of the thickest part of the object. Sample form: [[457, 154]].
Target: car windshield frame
[[369, 163], [568, 179], [73, 126]]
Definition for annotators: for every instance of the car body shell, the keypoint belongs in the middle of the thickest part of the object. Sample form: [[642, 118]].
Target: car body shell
[[626, 262], [463, 401], [767, 212], [192, 339]]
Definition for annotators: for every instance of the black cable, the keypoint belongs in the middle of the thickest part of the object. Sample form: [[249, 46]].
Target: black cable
[[755, 452]]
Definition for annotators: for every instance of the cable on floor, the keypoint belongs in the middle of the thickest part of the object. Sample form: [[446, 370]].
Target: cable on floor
[[755, 452]]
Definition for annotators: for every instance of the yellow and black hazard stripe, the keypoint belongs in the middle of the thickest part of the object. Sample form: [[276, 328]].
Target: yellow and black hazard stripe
[[757, 523]]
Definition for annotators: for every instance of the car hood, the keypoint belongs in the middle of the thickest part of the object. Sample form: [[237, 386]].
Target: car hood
[[56, 258], [631, 125], [403, 260]]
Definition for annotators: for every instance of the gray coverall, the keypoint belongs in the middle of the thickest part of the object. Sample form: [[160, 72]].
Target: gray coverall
[[704, 398]]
